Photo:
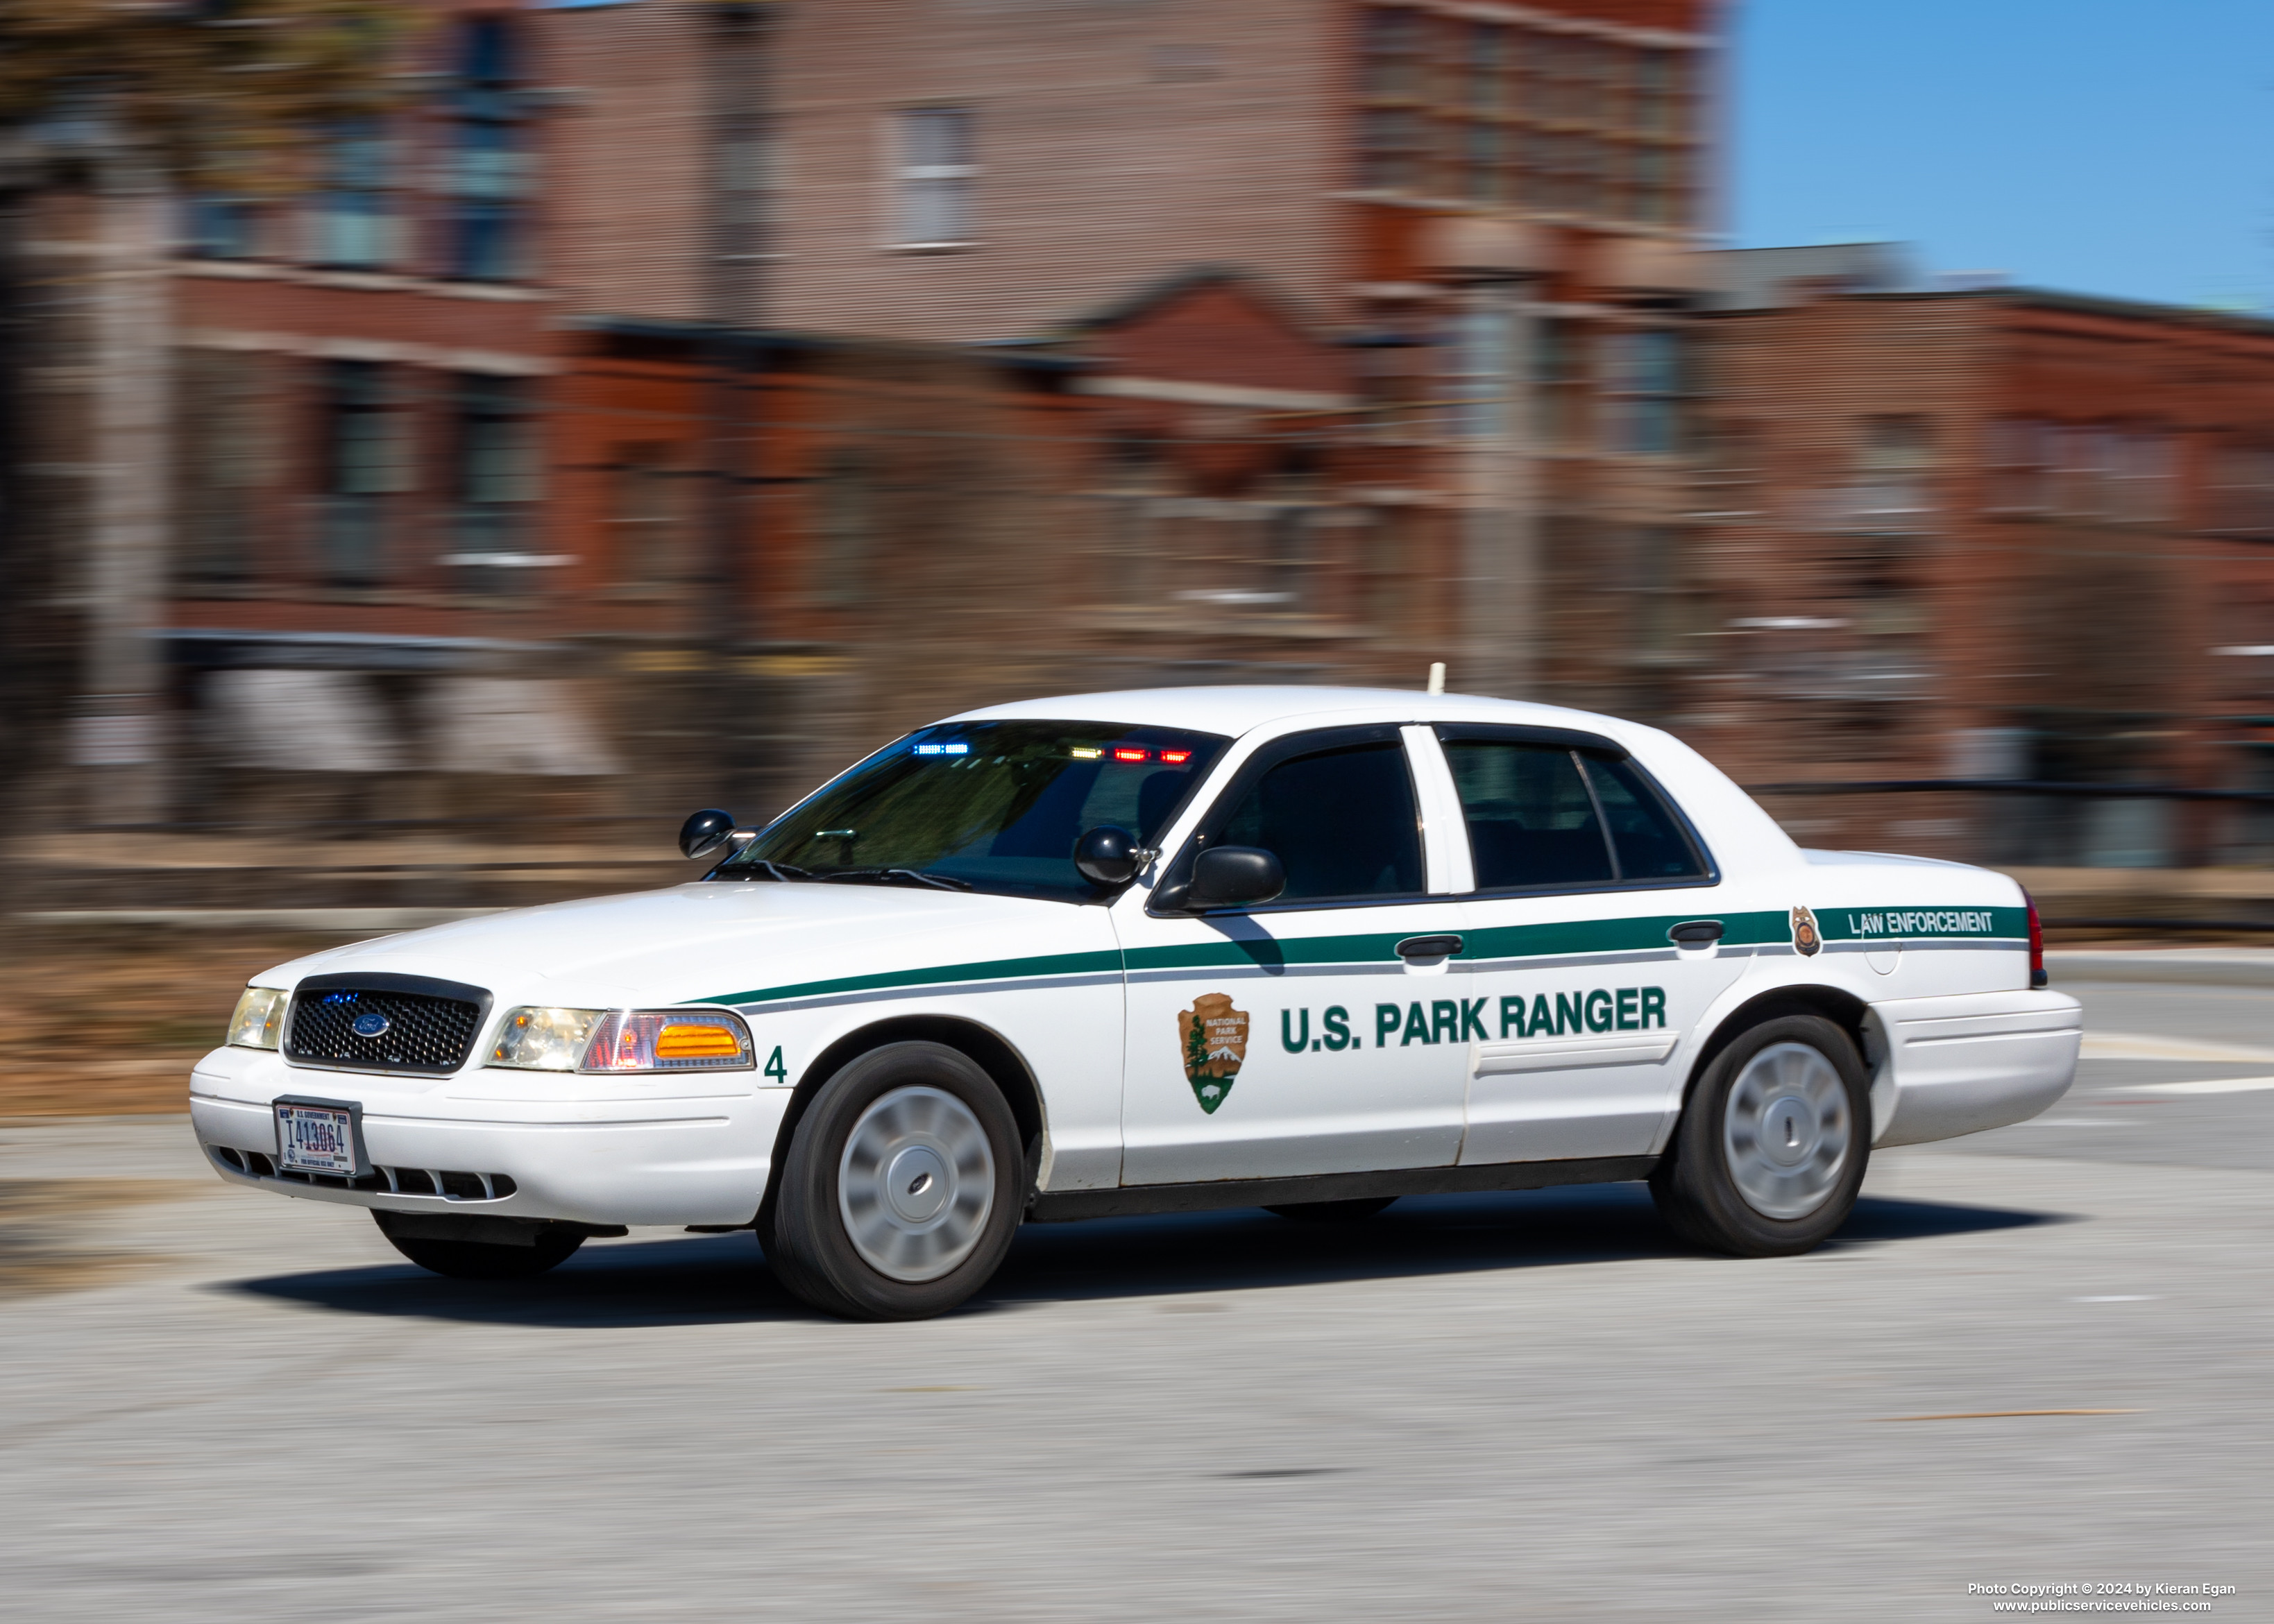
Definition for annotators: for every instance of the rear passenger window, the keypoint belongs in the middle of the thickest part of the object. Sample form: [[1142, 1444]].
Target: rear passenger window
[[1546, 818], [1531, 819], [1650, 841]]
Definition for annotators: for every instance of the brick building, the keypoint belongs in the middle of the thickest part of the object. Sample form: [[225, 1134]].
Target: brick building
[[1995, 534], [1283, 338], [363, 374], [1458, 235]]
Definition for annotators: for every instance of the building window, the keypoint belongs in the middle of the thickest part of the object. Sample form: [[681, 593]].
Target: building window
[[2242, 492], [1561, 362], [1393, 133], [487, 179], [225, 461], [844, 520], [1646, 389], [495, 469], [2143, 483], [1892, 467], [354, 218], [2018, 458], [365, 462], [1392, 66], [1487, 98], [935, 178], [1482, 358], [1498, 115], [647, 511], [216, 227]]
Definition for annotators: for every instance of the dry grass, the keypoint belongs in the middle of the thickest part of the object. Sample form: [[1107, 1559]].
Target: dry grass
[[102, 1023], [44, 1224]]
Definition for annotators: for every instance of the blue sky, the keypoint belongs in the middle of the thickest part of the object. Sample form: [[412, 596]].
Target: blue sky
[[2111, 147]]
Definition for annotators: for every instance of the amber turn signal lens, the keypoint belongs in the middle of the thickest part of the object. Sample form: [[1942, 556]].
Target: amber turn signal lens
[[689, 1041]]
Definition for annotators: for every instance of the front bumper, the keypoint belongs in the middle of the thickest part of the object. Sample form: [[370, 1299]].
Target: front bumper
[[1960, 1065], [646, 1161]]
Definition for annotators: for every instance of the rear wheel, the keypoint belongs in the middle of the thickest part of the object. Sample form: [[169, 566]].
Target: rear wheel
[[1334, 1211], [900, 1193], [1770, 1153], [550, 1247]]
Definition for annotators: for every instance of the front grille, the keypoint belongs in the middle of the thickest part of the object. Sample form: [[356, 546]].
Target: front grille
[[430, 1025]]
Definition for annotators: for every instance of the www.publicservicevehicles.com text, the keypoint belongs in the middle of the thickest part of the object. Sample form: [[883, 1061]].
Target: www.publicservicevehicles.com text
[[2091, 1596]]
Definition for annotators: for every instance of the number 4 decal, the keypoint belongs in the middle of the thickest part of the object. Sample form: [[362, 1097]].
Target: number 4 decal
[[775, 1069]]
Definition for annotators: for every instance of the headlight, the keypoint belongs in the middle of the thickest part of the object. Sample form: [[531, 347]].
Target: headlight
[[259, 1018], [550, 1040], [544, 1040]]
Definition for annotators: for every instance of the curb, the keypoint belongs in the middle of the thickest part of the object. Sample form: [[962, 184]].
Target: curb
[[2197, 966]]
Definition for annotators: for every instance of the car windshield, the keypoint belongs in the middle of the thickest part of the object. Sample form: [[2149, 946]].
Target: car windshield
[[983, 806]]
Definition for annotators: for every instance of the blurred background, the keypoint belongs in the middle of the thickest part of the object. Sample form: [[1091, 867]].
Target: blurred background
[[443, 442]]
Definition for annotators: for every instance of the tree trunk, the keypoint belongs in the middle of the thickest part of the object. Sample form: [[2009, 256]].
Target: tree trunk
[[36, 646]]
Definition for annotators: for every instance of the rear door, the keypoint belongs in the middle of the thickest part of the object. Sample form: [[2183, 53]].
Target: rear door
[[1293, 1038], [1582, 867]]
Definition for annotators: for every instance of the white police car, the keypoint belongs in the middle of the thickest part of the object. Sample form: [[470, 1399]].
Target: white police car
[[1310, 949]]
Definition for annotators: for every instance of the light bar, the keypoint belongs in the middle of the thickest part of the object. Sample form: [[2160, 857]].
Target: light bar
[[1176, 758], [1124, 753], [943, 749]]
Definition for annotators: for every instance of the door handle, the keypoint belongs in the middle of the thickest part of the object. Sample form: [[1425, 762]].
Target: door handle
[[1429, 947], [1696, 933]]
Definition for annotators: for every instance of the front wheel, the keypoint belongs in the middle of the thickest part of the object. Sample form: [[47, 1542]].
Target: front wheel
[[900, 1193], [1770, 1153]]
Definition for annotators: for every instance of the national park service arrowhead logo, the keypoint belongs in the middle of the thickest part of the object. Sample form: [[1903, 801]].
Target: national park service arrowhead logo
[[1807, 940], [1215, 1039]]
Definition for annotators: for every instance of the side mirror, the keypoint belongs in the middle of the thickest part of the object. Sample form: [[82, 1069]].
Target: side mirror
[[1235, 876], [1108, 855], [705, 832]]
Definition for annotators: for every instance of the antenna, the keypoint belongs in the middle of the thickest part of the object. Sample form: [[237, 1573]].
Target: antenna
[[1437, 676]]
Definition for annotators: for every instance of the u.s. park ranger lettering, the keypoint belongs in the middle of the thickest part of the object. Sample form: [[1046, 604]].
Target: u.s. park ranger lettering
[[1461, 1020]]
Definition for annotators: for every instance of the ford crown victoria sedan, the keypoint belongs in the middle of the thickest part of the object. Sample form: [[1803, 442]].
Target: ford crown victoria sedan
[[1306, 949]]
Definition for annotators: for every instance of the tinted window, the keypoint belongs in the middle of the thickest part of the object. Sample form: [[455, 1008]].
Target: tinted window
[[1531, 819], [996, 805], [1342, 823], [1650, 840]]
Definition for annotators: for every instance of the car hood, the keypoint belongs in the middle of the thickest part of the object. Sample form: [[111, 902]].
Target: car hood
[[703, 943]]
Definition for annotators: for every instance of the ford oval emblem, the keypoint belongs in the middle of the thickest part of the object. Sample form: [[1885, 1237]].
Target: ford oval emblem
[[371, 1023]]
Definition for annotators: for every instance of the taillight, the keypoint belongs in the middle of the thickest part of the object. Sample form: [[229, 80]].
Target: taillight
[[2037, 976]]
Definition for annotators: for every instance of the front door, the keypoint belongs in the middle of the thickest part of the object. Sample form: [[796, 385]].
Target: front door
[[1294, 1038], [1582, 871]]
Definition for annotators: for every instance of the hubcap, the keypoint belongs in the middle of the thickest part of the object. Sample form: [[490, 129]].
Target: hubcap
[[915, 1184], [1786, 1130]]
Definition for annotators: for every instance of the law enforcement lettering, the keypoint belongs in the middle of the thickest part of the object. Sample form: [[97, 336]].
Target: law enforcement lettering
[[1923, 922]]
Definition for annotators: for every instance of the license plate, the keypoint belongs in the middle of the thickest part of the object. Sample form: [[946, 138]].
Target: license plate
[[316, 1138]]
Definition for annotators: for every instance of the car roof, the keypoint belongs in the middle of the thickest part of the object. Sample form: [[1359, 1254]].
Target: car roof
[[1235, 710]]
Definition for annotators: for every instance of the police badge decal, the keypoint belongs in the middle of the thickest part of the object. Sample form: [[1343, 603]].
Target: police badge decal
[[1806, 939], [1215, 1039]]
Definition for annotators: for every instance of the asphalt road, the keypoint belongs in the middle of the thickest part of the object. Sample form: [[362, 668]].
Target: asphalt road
[[221, 1406]]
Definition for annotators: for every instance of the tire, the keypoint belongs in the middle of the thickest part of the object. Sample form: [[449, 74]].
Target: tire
[[901, 1189], [1770, 1152], [485, 1259], [1352, 1211]]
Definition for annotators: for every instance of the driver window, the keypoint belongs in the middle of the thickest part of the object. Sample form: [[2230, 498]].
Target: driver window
[[1344, 823]]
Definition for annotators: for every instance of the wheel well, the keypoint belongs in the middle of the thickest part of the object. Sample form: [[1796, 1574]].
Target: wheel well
[[1843, 1010], [985, 1049]]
